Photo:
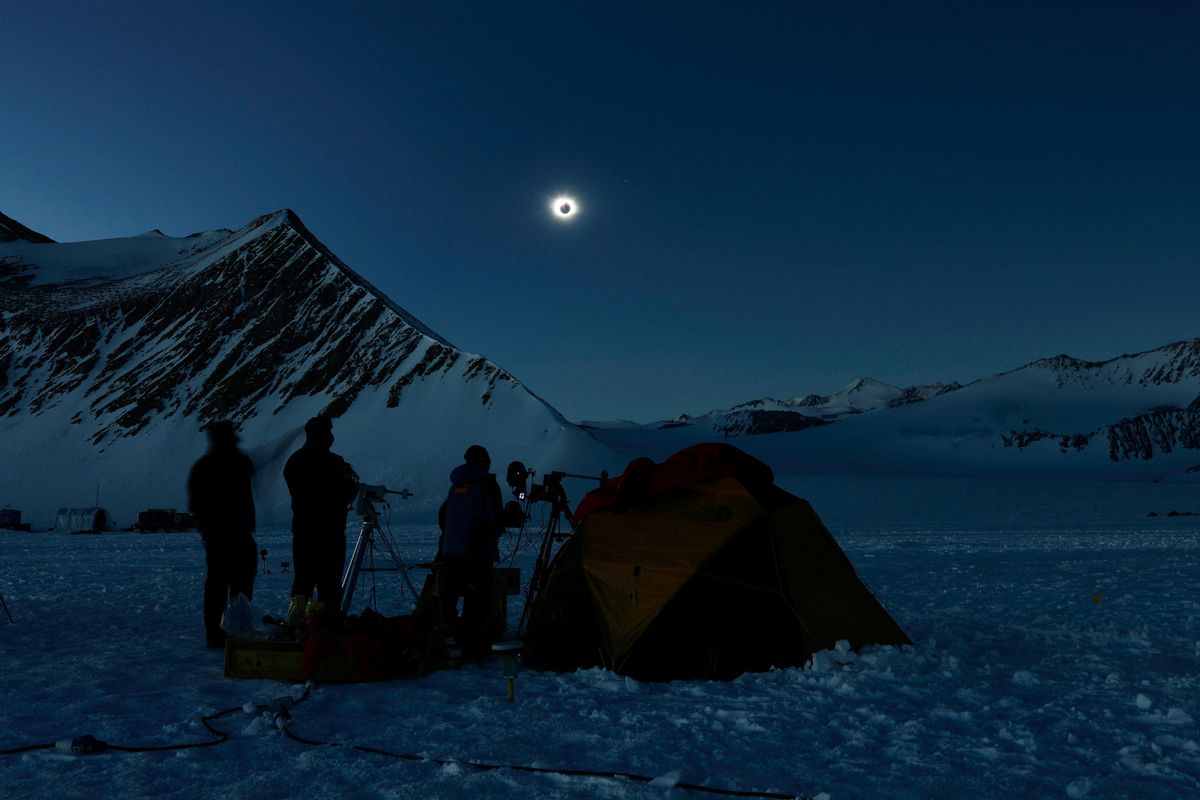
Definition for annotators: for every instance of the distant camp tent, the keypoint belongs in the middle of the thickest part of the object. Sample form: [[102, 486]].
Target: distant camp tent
[[699, 568], [10, 519], [83, 520]]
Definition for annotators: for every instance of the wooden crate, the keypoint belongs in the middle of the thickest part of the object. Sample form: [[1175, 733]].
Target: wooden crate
[[280, 661]]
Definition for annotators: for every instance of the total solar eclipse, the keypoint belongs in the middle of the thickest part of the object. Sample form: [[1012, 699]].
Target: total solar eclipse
[[564, 207]]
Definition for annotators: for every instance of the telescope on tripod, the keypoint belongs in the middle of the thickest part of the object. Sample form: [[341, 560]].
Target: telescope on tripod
[[551, 491], [370, 538]]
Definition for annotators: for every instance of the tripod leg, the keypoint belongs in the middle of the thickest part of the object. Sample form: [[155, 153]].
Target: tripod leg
[[6, 611], [539, 567], [399, 562], [354, 566]]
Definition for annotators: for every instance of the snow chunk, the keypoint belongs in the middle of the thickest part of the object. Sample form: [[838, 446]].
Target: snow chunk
[[1143, 702], [842, 653], [1177, 716], [666, 781], [1079, 788], [821, 661], [827, 660], [1025, 678]]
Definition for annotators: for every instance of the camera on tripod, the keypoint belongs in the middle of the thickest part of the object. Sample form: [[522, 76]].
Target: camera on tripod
[[549, 490]]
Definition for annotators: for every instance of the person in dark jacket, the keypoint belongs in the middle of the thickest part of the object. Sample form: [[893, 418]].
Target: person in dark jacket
[[220, 498], [471, 522], [322, 486]]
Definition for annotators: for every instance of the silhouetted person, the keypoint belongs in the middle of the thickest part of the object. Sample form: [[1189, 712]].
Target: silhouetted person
[[219, 497], [322, 486], [471, 522]]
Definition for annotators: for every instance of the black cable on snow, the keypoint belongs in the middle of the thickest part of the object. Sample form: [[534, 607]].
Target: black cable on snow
[[220, 737], [575, 773], [93, 745], [27, 749]]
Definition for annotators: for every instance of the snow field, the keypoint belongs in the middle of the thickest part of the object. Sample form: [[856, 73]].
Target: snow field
[[1019, 684]]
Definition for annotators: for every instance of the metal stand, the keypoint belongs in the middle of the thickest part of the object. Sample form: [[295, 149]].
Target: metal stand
[[6, 611], [560, 507], [549, 491], [370, 536], [509, 653]]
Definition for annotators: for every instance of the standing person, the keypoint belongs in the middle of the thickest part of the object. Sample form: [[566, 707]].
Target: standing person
[[322, 486], [471, 522], [220, 498]]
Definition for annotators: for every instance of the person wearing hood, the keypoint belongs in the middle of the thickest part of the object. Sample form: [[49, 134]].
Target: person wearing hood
[[220, 497], [322, 486], [471, 523]]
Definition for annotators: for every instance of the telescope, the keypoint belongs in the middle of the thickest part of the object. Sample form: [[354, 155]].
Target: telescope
[[549, 490], [370, 493]]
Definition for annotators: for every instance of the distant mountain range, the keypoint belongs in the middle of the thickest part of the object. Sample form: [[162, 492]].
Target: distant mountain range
[[769, 415], [1134, 416], [114, 354]]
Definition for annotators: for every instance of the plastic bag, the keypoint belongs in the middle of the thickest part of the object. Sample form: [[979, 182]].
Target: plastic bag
[[238, 619]]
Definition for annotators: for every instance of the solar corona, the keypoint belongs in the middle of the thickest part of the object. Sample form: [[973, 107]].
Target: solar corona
[[564, 208]]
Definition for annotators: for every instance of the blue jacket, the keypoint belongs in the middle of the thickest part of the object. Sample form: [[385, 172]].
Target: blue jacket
[[473, 524]]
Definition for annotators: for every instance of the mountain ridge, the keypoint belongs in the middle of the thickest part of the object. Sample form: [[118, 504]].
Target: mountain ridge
[[264, 326]]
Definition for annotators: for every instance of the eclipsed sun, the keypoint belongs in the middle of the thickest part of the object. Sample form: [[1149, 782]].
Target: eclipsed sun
[[564, 208]]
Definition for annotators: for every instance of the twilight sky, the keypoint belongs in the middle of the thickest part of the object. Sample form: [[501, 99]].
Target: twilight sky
[[775, 198]]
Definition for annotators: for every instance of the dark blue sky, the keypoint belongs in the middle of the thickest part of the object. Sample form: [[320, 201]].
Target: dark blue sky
[[775, 200]]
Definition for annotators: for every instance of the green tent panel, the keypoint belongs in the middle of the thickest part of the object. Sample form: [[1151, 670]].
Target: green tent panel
[[705, 570]]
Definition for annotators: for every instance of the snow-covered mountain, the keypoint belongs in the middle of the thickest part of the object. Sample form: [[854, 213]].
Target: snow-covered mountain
[[114, 353], [1134, 416], [768, 415], [867, 394]]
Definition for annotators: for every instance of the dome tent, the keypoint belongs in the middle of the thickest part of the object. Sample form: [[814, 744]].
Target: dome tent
[[83, 520], [699, 567]]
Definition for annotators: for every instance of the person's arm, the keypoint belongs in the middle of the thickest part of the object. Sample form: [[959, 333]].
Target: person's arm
[[192, 488], [250, 520], [349, 482], [497, 523], [497, 500]]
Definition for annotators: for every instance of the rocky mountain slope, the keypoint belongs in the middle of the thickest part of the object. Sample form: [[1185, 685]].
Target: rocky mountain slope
[[114, 354], [13, 231]]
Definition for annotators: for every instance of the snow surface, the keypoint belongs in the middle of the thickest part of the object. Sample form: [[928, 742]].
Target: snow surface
[[1018, 685], [106, 259]]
